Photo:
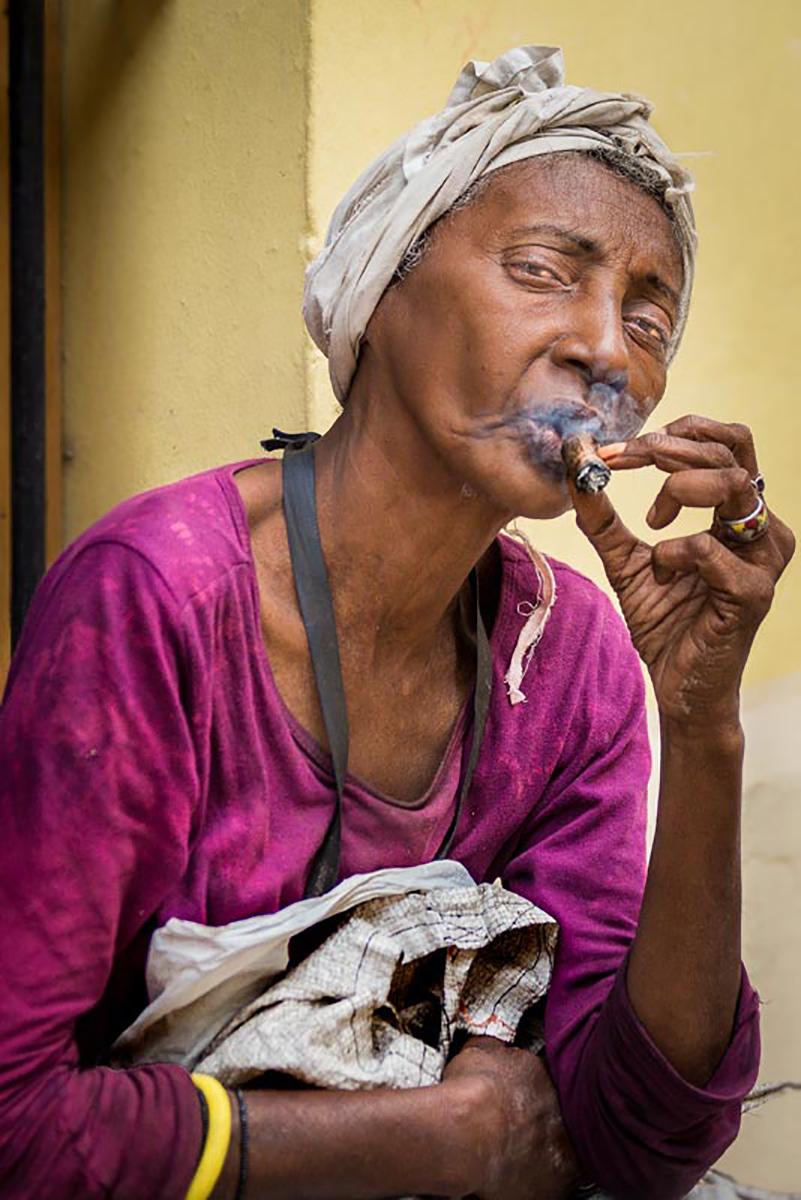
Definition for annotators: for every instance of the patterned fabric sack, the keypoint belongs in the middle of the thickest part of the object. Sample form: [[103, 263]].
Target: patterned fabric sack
[[381, 999]]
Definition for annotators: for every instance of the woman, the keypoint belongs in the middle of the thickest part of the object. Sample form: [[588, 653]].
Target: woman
[[164, 748]]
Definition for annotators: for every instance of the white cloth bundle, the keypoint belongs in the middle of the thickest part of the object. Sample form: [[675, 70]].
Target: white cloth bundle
[[498, 113], [417, 956]]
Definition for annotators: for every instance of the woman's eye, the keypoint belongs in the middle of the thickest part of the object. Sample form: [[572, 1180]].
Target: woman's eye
[[538, 271], [652, 330]]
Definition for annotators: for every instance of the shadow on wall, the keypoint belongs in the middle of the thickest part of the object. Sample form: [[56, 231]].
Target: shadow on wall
[[115, 40]]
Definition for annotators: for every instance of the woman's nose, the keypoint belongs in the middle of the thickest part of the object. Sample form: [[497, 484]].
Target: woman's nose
[[593, 341]]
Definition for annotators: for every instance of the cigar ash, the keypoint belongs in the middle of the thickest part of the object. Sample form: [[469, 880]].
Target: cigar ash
[[580, 455]]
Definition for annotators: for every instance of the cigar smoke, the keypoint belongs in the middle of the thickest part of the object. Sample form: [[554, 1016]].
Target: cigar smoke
[[609, 414]]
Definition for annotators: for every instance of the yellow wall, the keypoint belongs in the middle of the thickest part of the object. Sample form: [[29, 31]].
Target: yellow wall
[[183, 214]]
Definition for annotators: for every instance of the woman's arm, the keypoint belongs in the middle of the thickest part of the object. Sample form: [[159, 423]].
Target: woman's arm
[[98, 796], [492, 1129], [99, 799], [324, 1145], [639, 1126], [693, 606], [684, 969]]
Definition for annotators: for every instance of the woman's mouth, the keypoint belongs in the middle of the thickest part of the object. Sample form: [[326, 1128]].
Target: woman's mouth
[[543, 428]]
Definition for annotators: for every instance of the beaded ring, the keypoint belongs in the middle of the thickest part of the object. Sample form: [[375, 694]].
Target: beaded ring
[[743, 530]]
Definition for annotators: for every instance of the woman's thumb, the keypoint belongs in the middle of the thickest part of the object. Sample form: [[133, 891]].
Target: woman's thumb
[[598, 520]]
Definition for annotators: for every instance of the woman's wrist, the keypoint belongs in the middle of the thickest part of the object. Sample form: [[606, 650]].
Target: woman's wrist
[[449, 1121], [701, 763], [469, 1141], [717, 731]]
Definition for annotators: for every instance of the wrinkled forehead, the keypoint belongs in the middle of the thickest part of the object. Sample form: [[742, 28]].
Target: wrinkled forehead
[[601, 209]]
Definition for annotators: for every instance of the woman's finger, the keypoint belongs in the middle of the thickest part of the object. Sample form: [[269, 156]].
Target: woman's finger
[[783, 539], [748, 585], [598, 520], [738, 438], [667, 452], [727, 489]]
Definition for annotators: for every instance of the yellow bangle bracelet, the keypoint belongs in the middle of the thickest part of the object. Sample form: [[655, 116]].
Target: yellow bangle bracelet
[[218, 1138]]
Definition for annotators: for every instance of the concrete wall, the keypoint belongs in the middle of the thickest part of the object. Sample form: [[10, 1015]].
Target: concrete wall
[[184, 214], [206, 143]]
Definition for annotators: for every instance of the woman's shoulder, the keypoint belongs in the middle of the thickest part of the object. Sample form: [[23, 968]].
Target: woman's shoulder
[[189, 533], [135, 575]]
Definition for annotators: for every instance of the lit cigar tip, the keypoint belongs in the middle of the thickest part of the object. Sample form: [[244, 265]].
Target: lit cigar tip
[[588, 472]]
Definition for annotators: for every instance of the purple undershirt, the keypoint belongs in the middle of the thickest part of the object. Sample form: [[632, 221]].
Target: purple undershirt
[[149, 769]]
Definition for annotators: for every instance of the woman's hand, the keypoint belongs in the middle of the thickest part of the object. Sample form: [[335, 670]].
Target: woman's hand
[[692, 604], [519, 1143]]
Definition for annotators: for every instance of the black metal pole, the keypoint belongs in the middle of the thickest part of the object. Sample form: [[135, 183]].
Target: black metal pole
[[27, 233]]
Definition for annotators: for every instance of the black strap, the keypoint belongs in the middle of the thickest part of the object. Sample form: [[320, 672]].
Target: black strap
[[317, 611], [289, 441], [481, 703]]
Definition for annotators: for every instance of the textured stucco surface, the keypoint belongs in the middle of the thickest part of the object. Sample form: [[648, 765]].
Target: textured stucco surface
[[184, 214], [769, 1148]]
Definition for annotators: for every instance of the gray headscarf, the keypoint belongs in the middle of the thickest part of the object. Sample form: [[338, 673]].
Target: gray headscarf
[[498, 113]]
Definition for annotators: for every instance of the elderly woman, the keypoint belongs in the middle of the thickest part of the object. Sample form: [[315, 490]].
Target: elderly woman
[[238, 688]]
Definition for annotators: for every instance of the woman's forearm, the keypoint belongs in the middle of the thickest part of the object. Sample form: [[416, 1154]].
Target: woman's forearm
[[693, 605], [325, 1145], [684, 969]]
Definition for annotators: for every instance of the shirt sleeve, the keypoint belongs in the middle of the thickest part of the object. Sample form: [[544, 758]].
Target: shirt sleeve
[[640, 1129], [98, 793]]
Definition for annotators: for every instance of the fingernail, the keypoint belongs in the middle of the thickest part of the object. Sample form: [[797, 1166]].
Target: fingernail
[[650, 516], [612, 449]]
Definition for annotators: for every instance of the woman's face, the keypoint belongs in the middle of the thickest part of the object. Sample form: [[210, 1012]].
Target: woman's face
[[561, 276]]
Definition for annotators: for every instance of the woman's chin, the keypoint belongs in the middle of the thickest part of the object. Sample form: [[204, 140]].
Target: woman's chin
[[541, 508], [535, 496], [540, 491]]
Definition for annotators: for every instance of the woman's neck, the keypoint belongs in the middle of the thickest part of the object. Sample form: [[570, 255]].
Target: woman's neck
[[400, 533]]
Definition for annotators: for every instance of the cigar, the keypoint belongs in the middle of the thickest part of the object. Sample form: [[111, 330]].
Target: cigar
[[588, 472]]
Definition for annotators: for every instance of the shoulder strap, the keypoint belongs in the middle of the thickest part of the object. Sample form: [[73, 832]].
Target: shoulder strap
[[317, 611], [481, 703]]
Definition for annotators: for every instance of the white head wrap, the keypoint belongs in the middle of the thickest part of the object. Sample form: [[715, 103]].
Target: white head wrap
[[498, 113]]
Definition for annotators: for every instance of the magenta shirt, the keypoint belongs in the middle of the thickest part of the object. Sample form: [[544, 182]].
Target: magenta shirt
[[149, 769]]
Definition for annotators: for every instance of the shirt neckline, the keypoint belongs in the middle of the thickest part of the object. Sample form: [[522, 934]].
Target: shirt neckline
[[306, 742]]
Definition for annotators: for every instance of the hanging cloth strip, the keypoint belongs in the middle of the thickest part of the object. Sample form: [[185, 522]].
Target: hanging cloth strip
[[317, 611]]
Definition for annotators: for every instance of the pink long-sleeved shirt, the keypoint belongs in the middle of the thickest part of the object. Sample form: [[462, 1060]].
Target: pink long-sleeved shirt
[[149, 769]]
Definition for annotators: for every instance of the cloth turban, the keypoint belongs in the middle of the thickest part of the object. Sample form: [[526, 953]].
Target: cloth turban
[[498, 113]]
